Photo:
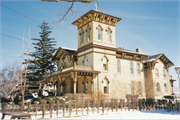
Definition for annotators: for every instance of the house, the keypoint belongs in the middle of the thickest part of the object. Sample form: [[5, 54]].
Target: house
[[98, 66]]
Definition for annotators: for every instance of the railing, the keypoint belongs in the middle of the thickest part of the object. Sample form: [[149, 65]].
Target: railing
[[82, 106]]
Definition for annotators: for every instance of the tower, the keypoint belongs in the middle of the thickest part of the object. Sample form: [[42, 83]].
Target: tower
[[96, 28]]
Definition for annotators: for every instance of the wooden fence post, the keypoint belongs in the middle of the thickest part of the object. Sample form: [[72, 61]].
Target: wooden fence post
[[102, 105], [20, 106], [97, 106], [13, 107], [87, 106], [82, 104], [36, 104], [43, 106], [63, 107], [121, 104], [93, 103], [69, 105], [108, 101], [128, 102], [116, 104], [125, 103], [57, 111], [51, 105], [29, 107], [76, 103]]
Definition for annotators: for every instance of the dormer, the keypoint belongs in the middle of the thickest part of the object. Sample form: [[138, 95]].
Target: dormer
[[97, 28]]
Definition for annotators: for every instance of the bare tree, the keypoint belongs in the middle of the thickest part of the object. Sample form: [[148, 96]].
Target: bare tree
[[9, 78], [70, 9]]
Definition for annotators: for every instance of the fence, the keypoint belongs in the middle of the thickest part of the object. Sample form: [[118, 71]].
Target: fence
[[82, 106]]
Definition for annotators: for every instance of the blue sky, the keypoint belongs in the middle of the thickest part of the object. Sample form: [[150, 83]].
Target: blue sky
[[150, 25]]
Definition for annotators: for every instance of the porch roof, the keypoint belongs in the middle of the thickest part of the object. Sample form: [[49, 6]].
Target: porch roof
[[65, 73]]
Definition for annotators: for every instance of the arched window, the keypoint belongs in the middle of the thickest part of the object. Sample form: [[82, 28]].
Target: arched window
[[165, 87], [131, 68], [164, 75], [156, 72], [158, 87], [139, 88], [99, 33], [65, 66], [104, 63], [85, 61], [108, 35], [88, 34], [138, 69], [118, 66], [132, 87], [82, 38], [105, 86]]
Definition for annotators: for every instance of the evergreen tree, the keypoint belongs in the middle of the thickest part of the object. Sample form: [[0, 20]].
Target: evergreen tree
[[41, 62]]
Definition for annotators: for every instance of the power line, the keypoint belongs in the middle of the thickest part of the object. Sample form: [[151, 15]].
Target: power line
[[19, 13], [10, 36]]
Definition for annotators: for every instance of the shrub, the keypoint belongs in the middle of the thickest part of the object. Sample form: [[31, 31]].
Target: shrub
[[10, 99]]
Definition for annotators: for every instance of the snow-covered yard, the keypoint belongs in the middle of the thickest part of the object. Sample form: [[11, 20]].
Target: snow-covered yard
[[157, 114]]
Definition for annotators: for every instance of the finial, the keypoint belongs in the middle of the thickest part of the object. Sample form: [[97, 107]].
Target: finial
[[95, 6]]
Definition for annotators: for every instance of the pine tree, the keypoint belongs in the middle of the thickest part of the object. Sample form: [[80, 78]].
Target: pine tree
[[41, 62]]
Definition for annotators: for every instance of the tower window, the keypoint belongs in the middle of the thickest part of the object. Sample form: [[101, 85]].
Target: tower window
[[88, 34], [164, 75], [131, 68], [104, 63], [108, 35], [138, 69], [156, 72], [105, 86], [158, 87], [99, 33], [118, 66], [85, 61], [165, 87], [82, 38]]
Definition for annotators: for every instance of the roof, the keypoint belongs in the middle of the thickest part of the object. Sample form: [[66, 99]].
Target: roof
[[67, 50], [130, 51], [156, 57]]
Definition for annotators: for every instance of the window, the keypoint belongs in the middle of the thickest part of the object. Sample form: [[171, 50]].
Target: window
[[138, 69], [164, 75], [85, 61], [132, 87], [118, 66], [156, 72], [88, 34], [131, 68], [82, 38], [108, 35], [139, 88], [99, 33], [105, 86], [165, 87], [65, 66], [158, 87], [104, 63]]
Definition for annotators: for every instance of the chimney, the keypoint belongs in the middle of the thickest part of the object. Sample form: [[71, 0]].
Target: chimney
[[139, 50]]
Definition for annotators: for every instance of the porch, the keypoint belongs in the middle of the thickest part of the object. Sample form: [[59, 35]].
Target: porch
[[73, 80]]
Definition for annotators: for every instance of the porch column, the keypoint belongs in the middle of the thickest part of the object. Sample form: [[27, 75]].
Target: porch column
[[74, 77], [59, 86]]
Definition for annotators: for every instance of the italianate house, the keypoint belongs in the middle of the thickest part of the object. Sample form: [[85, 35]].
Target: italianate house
[[99, 67]]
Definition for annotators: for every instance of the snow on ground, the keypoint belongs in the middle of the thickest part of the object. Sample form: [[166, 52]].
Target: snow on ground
[[157, 114]]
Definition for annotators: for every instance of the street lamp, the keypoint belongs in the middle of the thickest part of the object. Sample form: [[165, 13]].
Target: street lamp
[[177, 69]]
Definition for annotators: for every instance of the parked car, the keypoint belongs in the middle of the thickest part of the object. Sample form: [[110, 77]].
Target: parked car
[[32, 100], [171, 99]]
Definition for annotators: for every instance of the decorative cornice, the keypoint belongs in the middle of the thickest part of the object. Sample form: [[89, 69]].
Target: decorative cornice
[[96, 16]]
